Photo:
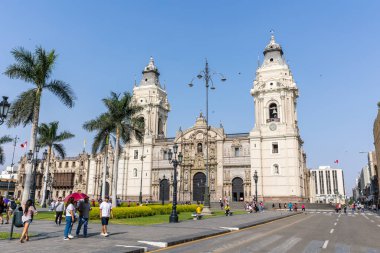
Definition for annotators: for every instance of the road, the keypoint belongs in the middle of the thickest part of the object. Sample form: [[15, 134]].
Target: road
[[308, 233]]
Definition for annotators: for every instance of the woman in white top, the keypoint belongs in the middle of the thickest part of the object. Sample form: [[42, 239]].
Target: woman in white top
[[28, 212], [70, 215]]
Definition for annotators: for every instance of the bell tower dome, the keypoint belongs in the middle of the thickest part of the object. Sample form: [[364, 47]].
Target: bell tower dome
[[153, 98]]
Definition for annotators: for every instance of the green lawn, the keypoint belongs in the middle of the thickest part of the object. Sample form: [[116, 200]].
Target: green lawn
[[5, 235], [148, 220]]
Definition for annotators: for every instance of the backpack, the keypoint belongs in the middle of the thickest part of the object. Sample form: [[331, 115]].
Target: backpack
[[13, 205]]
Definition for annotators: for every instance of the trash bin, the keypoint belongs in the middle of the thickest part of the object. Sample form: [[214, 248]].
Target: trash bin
[[17, 216]]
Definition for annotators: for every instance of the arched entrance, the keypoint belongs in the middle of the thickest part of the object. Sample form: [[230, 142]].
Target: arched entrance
[[237, 189], [199, 182], [164, 189]]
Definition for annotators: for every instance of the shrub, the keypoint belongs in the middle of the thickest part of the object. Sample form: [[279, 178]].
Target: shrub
[[124, 212]]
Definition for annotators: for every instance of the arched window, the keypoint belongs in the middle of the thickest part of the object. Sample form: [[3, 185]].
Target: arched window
[[199, 148], [135, 172], [273, 111], [276, 169], [160, 127]]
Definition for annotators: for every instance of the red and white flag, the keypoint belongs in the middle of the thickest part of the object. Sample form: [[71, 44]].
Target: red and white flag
[[336, 161], [24, 145]]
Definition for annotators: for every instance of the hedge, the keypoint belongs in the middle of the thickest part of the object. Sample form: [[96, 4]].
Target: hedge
[[142, 211]]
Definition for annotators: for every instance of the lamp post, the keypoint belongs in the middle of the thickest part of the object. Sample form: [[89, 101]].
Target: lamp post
[[207, 76], [162, 190], [174, 216], [12, 164], [33, 159], [4, 108], [255, 178], [141, 176]]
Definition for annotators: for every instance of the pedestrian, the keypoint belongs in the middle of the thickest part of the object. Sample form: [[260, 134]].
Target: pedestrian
[[279, 205], [70, 217], [3, 207], [84, 208], [59, 207], [227, 209], [28, 212], [290, 205], [345, 209], [105, 214], [303, 208], [12, 205], [295, 207], [221, 203]]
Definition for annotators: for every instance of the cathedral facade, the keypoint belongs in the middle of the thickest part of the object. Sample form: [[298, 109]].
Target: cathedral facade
[[273, 147]]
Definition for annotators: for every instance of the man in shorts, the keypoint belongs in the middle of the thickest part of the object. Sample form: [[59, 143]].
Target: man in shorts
[[105, 214]]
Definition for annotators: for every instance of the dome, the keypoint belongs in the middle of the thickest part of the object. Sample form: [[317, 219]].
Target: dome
[[273, 46]]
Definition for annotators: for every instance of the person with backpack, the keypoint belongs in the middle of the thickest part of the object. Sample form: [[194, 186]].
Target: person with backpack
[[28, 212], [11, 207]]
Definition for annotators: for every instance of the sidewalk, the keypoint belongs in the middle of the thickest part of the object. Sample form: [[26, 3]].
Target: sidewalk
[[124, 238]]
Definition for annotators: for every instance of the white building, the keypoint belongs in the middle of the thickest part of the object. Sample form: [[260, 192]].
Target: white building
[[273, 147], [327, 185]]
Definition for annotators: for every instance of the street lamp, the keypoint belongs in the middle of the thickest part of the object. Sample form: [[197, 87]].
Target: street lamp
[[44, 156], [207, 76], [142, 166], [255, 178], [174, 216], [4, 108], [162, 187]]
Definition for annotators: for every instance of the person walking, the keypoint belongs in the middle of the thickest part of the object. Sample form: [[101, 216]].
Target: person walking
[[84, 208], [12, 205], [303, 208], [28, 212], [290, 205], [59, 207], [70, 217], [3, 207], [105, 214]]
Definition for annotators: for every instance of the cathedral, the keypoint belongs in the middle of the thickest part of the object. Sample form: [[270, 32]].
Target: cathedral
[[273, 148]]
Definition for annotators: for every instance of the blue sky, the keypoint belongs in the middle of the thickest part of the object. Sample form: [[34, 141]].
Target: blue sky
[[331, 46]]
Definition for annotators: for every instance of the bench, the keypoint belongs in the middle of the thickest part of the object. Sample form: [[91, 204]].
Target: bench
[[196, 216]]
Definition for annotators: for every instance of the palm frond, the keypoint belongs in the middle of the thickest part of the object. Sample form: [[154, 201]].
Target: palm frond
[[21, 111], [64, 136], [63, 91], [60, 149], [5, 139]]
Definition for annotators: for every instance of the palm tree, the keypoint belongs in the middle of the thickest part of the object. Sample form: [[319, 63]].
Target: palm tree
[[50, 138], [3, 140], [122, 119], [35, 68]]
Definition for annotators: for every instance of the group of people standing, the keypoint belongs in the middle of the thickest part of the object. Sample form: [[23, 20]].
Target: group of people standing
[[7, 207]]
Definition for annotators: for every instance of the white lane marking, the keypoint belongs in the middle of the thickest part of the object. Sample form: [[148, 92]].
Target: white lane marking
[[331, 231], [157, 244], [285, 246], [325, 244], [335, 224], [139, 247], [372, 221], [378, 226], [318, 212], [231, 229]]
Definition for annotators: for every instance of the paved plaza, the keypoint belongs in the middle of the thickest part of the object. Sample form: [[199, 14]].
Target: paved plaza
[[124, 238]]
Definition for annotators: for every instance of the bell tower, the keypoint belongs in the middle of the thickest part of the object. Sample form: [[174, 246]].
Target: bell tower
[[150, 95], [276, 146]]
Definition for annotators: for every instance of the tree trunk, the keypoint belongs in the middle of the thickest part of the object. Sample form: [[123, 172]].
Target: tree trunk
[[105, 169], [32, 145], [115, 169], [43, 202]]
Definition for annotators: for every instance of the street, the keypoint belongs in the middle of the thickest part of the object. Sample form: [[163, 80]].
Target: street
[[310, 233]]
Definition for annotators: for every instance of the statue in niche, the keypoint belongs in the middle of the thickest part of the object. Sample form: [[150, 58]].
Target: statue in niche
[[212, 175], [212, 185], [186, 175], [186, 187], [199, 148]]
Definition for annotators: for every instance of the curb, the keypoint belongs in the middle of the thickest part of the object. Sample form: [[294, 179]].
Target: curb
[[243, 226]]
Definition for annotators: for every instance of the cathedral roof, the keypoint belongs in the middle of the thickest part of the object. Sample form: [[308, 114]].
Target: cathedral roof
[[273, 46]]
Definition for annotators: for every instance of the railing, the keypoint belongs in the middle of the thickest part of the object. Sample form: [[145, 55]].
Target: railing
[[273, 120]]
